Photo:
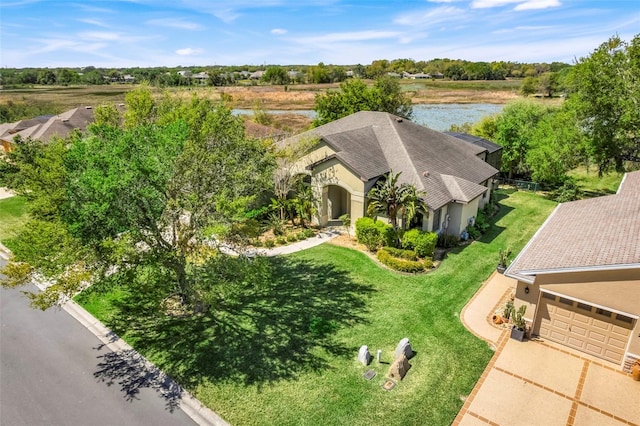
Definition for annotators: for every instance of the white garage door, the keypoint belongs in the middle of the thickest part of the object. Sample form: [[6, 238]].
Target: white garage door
[[593, 330]]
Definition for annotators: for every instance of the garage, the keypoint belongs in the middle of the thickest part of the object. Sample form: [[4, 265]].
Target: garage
[[595, 330]]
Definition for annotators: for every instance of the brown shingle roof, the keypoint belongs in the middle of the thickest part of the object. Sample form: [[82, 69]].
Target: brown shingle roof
[[601, 232], [374, 143]]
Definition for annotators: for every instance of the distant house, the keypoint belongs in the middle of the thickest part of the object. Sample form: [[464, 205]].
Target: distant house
[[185, 73], [44, 128], [419, 76], [579, 276], [257, 75], [355, 152], [127, 78]]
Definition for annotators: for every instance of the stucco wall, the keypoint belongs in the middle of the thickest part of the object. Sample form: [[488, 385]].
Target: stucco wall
[[332, 172], [529, 299], [468, 211]]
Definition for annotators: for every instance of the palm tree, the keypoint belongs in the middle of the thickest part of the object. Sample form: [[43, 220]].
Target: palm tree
[[395, 201]]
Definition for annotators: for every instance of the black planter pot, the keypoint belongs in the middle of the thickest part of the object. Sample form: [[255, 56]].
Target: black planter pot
[[501, 269], [517, 333]]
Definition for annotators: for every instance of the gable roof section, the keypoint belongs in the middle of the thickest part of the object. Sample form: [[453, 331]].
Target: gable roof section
[[597, 233], [374, 143], [44, 128], [488, 146]]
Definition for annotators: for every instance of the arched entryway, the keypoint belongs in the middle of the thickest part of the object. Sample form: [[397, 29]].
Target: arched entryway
[[336, 203]]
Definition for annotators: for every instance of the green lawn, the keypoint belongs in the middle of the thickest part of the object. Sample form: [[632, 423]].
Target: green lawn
[[286, 352], [594, 185], [13, 213]]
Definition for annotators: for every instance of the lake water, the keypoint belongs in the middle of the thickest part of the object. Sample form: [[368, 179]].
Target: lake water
[[438, 117]]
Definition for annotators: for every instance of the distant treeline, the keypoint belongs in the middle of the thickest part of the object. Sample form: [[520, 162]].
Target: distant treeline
[[277, 74]]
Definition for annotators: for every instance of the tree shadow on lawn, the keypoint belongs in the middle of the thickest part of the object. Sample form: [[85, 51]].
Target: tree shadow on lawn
[[268, 331]]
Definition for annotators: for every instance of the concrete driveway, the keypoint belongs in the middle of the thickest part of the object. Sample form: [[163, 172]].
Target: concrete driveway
[[542, 383]]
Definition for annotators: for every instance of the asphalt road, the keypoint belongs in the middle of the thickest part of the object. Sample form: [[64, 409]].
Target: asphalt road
[[53, 371]]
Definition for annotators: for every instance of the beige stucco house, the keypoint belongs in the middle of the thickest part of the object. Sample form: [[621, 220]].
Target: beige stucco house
[[579, 276], [354, 152]]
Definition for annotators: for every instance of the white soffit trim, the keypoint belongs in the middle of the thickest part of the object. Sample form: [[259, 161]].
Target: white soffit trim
[[581, 269], [586, 302]]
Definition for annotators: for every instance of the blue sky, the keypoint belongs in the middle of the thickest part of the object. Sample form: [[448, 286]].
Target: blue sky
[[128, 33]]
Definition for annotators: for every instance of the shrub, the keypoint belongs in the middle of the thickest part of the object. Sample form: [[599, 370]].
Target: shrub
[[398, 264], [403, 254], [473, 232], [292, 238], [481, 223], [447, 241], [422, 242], [569, 191], [374, 234], [308, 233], [281, 241], [269, 243], [256, 243], [301, 236]]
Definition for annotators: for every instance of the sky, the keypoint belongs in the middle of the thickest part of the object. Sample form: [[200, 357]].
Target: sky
[[172, 33]]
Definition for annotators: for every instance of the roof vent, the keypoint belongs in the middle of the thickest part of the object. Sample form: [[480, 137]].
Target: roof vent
[[425, 173], [88, 107], [399, 120]]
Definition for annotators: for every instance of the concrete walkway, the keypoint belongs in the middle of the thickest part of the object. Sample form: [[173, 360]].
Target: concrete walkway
[[323, 236], [539, 382], [5, 193], [476, 316]]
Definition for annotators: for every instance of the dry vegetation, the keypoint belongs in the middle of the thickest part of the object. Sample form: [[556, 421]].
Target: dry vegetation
[[291, 97]]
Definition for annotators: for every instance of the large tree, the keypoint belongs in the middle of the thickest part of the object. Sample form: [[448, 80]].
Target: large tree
[[514, 130], [354, 95], [155, 193], [605, 93]]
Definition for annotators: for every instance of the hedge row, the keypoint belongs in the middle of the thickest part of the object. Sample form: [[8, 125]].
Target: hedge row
[[400, 264]]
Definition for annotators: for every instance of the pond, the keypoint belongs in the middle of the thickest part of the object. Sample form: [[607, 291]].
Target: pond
[[438, 117]]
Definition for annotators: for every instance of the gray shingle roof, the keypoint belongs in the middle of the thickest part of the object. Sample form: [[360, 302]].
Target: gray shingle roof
[[489, 146], [602, 232], [374, 143]]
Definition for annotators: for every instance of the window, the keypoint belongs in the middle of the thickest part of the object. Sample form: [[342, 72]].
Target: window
[[549, 296], [566, 301], [603, 312], [624, 318], [436, 220], [584, 306]]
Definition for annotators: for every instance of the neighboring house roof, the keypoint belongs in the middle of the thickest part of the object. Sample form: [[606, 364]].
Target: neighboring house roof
[[489, 146], [375, 143], [46, 127], [591, 234]]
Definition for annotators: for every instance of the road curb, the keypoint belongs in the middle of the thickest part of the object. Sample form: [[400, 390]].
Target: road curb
[[191, 406], [188, 403]]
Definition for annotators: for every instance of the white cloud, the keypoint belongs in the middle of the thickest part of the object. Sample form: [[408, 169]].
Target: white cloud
[[520, 4], [278, 31], [188, 51], [537, 4], [101, 36], [349, 37], [178, 23], [94, 22], [430, 16]]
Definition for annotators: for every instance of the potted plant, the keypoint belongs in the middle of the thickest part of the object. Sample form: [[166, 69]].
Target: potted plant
[[503, 260], [519, 324]]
